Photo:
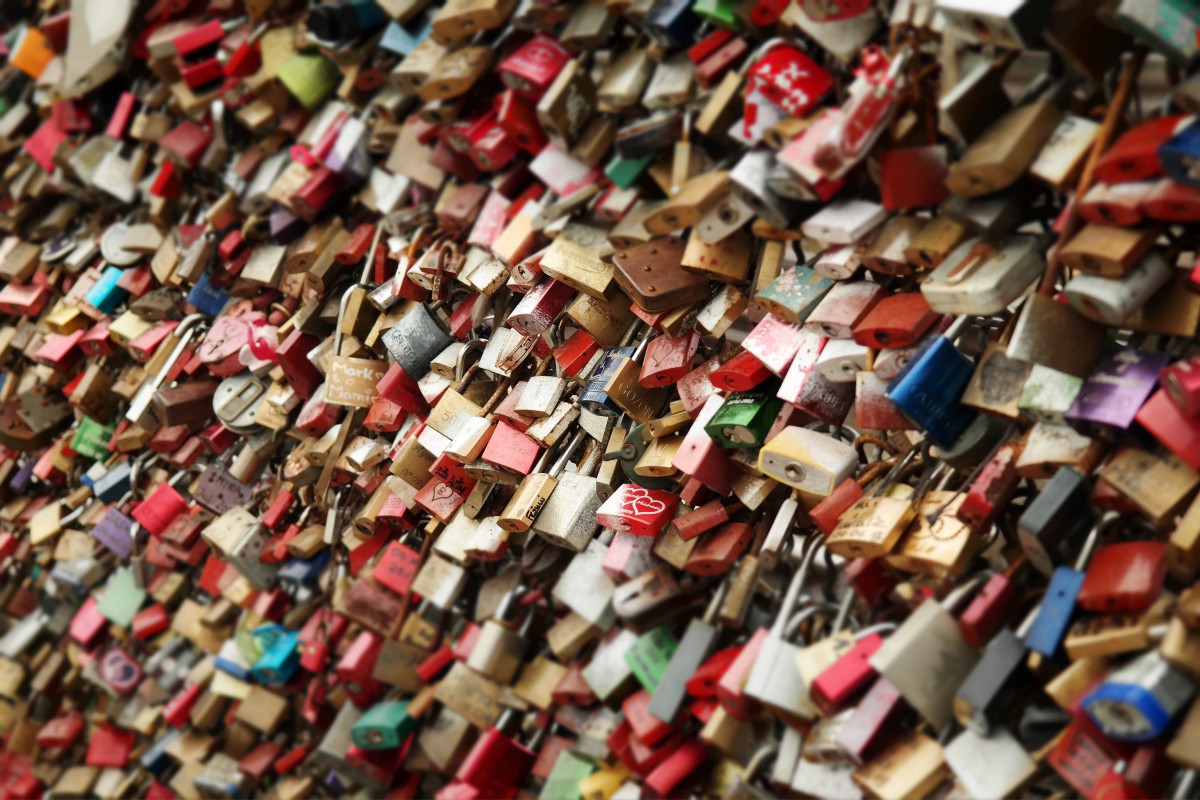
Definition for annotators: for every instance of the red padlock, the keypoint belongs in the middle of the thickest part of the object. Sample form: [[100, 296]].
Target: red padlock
[[533, 67], [876, 720], [1126, 577], [841, 683], [993, 487], [668, 358], [790, 79], [497, 764], [150, 621], [510, 449], [637, 510], [645, 726], [739, 374], [1134, 156], [517, 118], [1181, 381], [898, 320], [356, 669]]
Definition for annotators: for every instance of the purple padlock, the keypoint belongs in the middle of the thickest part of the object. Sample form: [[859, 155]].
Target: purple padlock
[[1114, 391], [115, 531]]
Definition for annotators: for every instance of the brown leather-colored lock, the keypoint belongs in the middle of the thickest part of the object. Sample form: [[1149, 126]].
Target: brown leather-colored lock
[[652, 275], [186, 403]]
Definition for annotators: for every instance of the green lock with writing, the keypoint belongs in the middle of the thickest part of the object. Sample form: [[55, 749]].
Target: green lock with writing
[[743, 420], [649, 657], [385, 726], [91, 439]]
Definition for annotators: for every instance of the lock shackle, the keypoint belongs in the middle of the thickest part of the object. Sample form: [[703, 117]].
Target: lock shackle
[[892, 474], [880, 628], [961, 593], [470, 347], [333, 518], [718, 599], [808, 612], [185, 330], [337, 333], [759, 760], [77, 513], [369, 265], [561, 462], [1186, 785], [793, 591], [1106, 521], [843, 610], [957, 328]]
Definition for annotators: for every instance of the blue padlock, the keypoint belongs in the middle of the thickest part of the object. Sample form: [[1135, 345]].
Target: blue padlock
[[207, 299], [671, 23], [113, 485], [1137, 702], [155, 759], [105, 296], [1054, 616], [1180, 156], [304, 572], [593, 397], [403, 39], [928, 390]]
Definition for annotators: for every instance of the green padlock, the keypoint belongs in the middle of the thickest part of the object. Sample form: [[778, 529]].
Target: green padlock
[[91, 439], [310, 77], [385, 726], [563, 781], [719, 13], [624, 172], [649, 657], [744, 419]]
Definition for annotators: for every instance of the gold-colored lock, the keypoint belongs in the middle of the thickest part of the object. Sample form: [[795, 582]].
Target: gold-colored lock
[[1108, 251], [937, 543], [624, 79], [580, 267], [999, 157], [908, 769], [727, 261], [695, 199], [537, 682], [458, 20], [456, 73], [567, 105], [930, 246], [872, 526], [1157, 486]]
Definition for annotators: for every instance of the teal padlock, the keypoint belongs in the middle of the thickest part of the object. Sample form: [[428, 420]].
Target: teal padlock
[[91, 439], [649, 657], [105, 296], [744, 419], [385, 726]]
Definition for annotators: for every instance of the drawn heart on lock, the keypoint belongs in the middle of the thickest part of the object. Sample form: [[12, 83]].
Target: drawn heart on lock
[[637, 502]]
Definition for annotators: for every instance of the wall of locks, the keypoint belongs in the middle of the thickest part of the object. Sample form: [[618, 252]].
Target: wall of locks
[[599, 399]]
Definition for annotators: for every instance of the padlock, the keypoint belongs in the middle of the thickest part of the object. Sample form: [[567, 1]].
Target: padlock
[[811, 462], [927, 658], [979, 278], [1138, 701], [772, 679]]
